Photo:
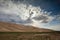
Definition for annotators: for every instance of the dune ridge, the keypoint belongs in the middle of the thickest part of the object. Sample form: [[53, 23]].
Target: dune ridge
[[12, 27]]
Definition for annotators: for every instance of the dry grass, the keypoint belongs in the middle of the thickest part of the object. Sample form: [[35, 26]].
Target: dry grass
[[29, 36]]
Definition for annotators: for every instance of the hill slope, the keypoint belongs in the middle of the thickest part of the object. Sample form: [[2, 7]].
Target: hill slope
[[11, 27]]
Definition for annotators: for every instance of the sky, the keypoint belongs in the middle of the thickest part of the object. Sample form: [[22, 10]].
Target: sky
[[37, 13]]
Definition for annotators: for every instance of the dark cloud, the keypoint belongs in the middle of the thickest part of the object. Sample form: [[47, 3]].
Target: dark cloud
[[42, 17]]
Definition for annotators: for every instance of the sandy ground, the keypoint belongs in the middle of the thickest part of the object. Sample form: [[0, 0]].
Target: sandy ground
[[11, 27]]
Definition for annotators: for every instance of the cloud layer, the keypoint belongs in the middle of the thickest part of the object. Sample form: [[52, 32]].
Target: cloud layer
[[22, 13]]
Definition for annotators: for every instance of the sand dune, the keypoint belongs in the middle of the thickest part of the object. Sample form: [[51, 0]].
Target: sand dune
[[11, 27]]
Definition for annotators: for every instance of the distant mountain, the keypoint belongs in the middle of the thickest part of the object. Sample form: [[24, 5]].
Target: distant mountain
[[11, 27]]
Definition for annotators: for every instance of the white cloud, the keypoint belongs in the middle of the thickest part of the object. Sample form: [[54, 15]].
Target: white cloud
[[54, 27], [25, 14]]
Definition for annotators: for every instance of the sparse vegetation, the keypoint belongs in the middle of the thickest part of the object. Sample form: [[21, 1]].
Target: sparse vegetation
[[28, 36]]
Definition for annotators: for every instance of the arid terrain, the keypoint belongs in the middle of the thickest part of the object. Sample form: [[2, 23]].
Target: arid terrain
[[11, 27], [11, 31]]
